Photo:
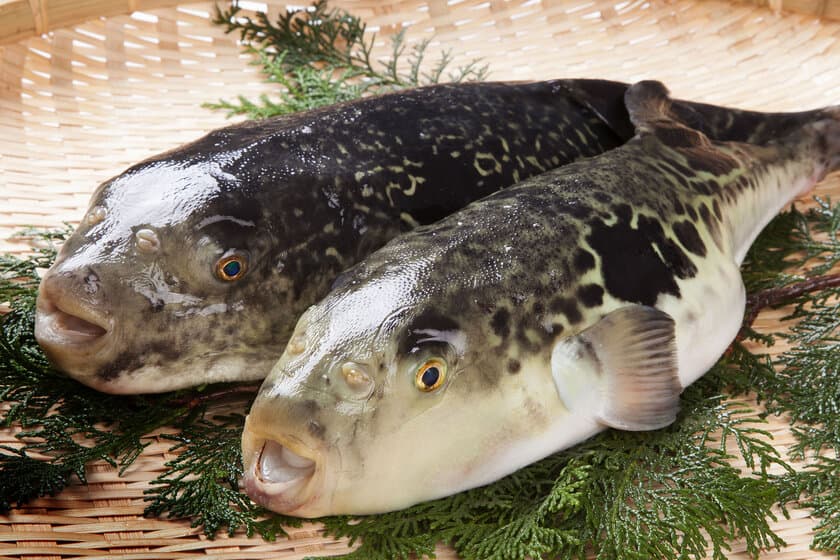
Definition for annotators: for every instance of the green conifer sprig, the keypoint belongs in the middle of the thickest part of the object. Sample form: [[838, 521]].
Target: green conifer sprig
[[320, 56], [301, 88], [313, 36], [201, 483], [804, 382], [818, 488]]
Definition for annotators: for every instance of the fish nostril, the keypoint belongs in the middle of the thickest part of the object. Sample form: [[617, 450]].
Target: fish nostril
[[356, 377], [147, 241], [297, 344], [91, 281], [316, 429], [96, 215], [78, 281]]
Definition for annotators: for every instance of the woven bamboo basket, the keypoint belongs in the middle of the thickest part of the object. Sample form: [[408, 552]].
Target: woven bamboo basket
[[88, 87]]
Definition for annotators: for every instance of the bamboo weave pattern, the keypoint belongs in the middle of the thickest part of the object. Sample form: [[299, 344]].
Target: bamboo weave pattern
[[105, 89]]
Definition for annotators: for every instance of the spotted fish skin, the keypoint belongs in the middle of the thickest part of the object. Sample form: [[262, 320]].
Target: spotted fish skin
[[134, 303], [585, 297]]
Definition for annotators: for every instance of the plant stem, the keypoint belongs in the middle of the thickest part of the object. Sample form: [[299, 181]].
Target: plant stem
[[772, 297]]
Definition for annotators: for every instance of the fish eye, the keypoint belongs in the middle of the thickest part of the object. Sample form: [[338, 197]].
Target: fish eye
[[430, 375], [231, 267]]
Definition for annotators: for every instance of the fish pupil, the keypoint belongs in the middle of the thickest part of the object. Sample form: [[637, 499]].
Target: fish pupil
[[232, 268], [430, 376]]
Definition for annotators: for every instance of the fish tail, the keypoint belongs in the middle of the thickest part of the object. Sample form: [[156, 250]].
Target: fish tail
[[783, 170], [745, 184], [828, 133], [736, 125], [605, 99]]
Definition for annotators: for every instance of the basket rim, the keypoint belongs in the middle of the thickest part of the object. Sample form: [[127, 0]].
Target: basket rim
[[22, 19]]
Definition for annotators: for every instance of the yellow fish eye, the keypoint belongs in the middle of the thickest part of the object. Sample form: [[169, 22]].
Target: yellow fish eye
[[430, 375], [231, 267]]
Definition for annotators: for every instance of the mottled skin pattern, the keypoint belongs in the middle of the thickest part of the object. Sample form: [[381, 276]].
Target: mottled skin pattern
[[661, 222], [302, 197]]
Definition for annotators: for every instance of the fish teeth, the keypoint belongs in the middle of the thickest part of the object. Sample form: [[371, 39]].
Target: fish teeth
[[279, 464], [294, 460]]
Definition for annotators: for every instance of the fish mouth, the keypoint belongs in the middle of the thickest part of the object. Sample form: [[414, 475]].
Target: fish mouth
[[65, 324], [283, 476]]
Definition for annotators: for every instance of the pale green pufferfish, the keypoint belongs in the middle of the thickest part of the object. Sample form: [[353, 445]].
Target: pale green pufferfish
[[584, 298]]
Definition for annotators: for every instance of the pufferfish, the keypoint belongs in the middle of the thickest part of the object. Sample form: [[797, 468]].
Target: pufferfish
[[584, 298], [193, 266]]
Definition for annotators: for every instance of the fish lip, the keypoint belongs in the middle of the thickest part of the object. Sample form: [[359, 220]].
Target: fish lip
[[276, 495], [56, 318]]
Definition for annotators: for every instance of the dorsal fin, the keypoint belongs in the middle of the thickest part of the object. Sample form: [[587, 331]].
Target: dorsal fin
[[649, 106]]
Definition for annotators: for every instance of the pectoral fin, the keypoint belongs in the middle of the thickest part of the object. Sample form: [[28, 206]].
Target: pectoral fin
[[632, 352]]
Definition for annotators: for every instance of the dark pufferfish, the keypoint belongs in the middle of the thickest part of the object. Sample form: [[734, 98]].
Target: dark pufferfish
[[193, 266], [583, 298]]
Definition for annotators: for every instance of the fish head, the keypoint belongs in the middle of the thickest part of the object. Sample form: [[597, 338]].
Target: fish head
[[168, 264], [379, 402]]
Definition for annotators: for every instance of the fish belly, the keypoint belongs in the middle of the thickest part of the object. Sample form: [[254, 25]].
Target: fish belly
[[707, 314]]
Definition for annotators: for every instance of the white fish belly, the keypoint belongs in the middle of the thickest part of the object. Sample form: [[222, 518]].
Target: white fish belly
[[707, 315], [539, 425]]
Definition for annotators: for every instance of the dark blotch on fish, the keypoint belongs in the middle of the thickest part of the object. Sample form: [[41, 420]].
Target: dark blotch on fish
[[677, 260], [692, 213], [584, 261], [150, 354], [623, 212], [603, 197], [567, 307], [580, 212], [591, 295], [689, 237], [631, 267], [311, 407], [501, 323]]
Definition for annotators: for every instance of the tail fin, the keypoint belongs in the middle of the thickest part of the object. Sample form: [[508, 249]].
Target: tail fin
[[828, 138], [605, 99], [790, 167], [736, 125]]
